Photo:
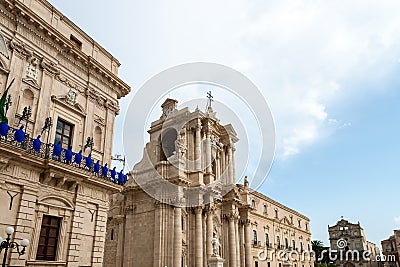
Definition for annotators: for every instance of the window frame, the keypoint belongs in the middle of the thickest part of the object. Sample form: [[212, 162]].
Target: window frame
[[48, 227], [62, 133]]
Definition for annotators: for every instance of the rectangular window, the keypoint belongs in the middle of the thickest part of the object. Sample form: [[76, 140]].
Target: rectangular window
[[48, 238], [75, 42], [64, 133], [255, 237]]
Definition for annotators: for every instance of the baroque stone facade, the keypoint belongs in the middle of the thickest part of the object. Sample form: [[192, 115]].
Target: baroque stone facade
[[350, 241], [391, 250], [149, 225], [63, 74]]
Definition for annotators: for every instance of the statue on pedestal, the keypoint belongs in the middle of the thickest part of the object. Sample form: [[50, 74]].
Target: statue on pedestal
[[215, 245]]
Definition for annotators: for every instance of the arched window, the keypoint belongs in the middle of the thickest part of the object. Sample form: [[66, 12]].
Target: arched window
[[286, 243], [168, 139], [27, 100], [278, 242], [266, 240], [294, 245], [253, 203], [301, 246], [276, 213], [98, 136]]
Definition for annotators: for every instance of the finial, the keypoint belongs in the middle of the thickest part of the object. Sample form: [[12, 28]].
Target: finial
[[209, 102], [246, 182]]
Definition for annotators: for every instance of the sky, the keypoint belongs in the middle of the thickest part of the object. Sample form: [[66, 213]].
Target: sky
[[328, 71]]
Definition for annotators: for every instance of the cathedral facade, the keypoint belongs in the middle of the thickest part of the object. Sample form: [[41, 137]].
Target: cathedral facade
[[183, 207]]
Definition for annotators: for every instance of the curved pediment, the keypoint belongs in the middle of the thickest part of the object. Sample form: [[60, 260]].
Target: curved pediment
[[56, 201]]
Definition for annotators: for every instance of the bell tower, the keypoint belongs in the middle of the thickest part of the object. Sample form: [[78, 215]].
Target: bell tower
[[190, 149]]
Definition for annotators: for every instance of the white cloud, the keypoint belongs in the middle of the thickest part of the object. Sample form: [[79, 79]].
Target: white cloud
[[397, 220], [300, 53]]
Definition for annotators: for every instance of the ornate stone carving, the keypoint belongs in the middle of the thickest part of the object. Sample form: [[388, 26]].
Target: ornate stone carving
[[130, 209], [3, 163], [71, 97], [21, 48], [231, 216], [51, 67], [32, 70]]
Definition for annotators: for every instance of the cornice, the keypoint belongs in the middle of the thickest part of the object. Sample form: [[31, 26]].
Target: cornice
[[271, 201], [23, 12]]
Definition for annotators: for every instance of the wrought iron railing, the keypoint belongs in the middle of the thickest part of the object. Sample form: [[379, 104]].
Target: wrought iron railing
[[46, 151]]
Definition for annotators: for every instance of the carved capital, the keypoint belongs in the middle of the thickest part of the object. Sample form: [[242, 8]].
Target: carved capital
[[231, 216], [129, 209], [198, 209]]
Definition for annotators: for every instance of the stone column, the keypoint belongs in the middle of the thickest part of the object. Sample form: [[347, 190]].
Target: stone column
[[232, 241], [237, 243], [208, 153], [199, 237], [231, 179], [247, 243], [178, 237], [197, 151], [223, 165], [209, 232], [217, 165], [241, 243]]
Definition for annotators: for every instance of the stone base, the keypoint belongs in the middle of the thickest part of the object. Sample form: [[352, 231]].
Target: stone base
[[216, 261]]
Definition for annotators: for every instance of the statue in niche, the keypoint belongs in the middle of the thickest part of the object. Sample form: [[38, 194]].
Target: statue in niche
[[181, 145], [215, 246]]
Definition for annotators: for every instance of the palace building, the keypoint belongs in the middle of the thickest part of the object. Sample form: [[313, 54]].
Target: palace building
[[183, 208], [391, 250], [65, 87]]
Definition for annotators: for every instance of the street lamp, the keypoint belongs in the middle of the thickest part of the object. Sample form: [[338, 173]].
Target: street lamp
[[6, 244]]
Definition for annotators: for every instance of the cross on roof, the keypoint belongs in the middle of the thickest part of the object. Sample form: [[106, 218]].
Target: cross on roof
[[210, 99]]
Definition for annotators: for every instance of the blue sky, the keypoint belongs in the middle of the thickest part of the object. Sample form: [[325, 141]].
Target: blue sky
[[329, 71]]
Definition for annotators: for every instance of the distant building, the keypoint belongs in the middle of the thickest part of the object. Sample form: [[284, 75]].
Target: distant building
[[63, 74], [143, 231], [391, 250], [349, 240]]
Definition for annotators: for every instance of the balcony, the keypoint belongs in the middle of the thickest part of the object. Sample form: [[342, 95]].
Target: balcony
[[256, 244], [268, 245], [44, 155]]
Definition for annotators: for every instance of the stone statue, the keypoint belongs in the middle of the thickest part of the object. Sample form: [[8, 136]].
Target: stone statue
[[215, 246], [180, 145]]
